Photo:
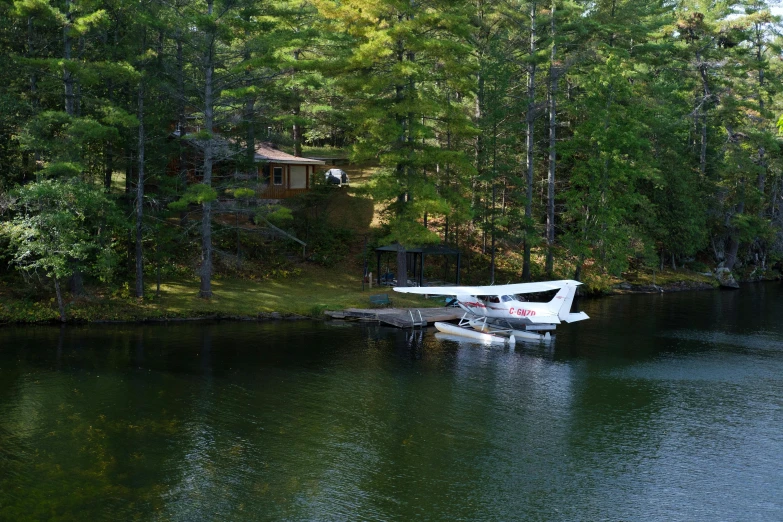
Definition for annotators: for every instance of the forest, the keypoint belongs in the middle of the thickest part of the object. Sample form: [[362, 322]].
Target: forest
[[605, 135]]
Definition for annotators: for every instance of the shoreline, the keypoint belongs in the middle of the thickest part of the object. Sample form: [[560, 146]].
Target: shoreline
[[135, 315]]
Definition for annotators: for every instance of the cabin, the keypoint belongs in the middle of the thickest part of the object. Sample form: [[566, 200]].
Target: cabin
[[283, 175], [279, 175]]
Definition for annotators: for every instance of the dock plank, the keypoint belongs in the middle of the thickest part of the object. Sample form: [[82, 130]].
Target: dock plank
[[399, 317]]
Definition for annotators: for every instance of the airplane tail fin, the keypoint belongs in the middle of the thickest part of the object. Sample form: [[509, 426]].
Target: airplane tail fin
[[561, 303]]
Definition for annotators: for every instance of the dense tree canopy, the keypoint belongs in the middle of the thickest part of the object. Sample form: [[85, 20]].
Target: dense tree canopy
[[605, 134]]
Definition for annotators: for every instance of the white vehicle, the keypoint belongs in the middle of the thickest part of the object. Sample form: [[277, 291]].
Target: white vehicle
[[336, 177], [501, 313]]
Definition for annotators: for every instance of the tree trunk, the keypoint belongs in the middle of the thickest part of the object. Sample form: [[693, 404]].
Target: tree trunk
[[249, 117], [33, 84], [762, 179], [76, 280], [732, 241], [60, 304], [550, 207], [578, 271], [157, 264], [402, 266], [250, 138], [108, 167], [77, 105], [405, 144], [476, 199], [109, 150], [297, 130], [531, 93], [140, 197], [492, 245], [68, 80], [181, 122], [77, 284], [732, 247], [205, 290], [703, 113]]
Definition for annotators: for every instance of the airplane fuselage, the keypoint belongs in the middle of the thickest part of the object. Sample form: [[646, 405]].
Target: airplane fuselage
[[504, 307]]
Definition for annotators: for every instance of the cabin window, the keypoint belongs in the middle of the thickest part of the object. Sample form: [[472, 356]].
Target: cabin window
[[507, 298], [278, 175], [494, 299]]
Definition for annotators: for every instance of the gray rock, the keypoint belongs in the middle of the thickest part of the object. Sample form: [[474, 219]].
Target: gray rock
[[726, 278]]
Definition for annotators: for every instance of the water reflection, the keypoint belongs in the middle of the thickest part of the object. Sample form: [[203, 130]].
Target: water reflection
[[661, 407]]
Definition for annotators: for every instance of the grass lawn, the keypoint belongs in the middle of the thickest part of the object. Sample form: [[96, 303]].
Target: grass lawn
[[315, 290], [312, 292]]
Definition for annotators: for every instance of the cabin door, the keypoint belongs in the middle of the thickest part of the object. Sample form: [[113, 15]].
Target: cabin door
[[298, 176]]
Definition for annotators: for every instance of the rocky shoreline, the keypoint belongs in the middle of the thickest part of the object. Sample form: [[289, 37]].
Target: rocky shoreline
[[679, 286], [720, 279]]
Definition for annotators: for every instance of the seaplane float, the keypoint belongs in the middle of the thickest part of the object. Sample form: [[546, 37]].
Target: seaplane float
[[502, 313]]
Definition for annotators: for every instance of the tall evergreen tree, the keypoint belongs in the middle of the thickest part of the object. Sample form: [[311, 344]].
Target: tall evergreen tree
[[405, 54]]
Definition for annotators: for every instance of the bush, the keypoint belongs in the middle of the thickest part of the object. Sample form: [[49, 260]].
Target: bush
[[329, 245], [698, 266]]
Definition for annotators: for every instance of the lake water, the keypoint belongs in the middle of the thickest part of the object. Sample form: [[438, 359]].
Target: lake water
[[661, 407]]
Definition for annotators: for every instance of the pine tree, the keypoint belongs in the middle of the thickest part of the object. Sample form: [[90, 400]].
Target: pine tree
[[405, 56]]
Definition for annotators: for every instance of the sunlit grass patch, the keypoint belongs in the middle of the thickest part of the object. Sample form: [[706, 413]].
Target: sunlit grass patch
[[315, 289]]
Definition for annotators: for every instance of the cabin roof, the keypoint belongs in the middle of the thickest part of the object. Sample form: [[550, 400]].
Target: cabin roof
[[225, 149], [427, 249], [265, 152]]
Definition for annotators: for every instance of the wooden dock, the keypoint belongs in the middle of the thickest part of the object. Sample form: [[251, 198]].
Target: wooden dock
[[399, 317]]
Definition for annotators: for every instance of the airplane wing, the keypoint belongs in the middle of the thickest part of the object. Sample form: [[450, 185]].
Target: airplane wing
[[543, 319], [517, 288]]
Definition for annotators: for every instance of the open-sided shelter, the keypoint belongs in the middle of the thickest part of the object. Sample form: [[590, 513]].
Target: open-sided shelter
[[416, 256]]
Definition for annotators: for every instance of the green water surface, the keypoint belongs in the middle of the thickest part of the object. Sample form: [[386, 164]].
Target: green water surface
[[661, 407]]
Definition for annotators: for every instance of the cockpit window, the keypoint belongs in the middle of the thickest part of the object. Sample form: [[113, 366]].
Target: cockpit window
[[494, 299], [507, 298]]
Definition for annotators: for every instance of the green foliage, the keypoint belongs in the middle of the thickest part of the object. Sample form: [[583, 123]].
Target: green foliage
[[197, 193], [27, 311], [403, 76], [280, 216], [667, 124], [243, 193], [63, 140], [329, 245], [62, 169], [60, 226]]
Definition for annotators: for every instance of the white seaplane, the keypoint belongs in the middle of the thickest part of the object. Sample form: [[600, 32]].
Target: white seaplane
[[502, 314]]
